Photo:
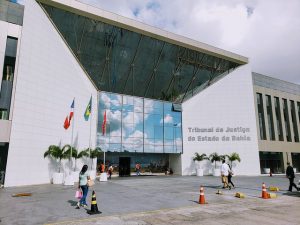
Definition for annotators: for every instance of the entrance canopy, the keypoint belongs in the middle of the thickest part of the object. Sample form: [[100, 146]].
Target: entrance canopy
[[126, 59]]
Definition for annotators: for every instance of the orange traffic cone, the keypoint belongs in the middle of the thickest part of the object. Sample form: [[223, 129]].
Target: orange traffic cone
[[201, 198], [94, 207], [264, 193]]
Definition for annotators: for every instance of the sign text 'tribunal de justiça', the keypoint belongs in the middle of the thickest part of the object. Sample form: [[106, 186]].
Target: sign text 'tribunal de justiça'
[[219, 134]]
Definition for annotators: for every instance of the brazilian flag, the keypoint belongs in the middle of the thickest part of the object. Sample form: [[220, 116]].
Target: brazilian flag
[[88, 110]]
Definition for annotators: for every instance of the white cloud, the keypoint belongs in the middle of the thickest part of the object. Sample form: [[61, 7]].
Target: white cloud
[[268, 32], [168, 119]]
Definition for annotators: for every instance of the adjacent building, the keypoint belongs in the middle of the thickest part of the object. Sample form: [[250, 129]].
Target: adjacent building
[[156, 97]]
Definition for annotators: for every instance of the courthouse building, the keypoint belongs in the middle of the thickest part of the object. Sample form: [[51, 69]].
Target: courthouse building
[[157, 97]]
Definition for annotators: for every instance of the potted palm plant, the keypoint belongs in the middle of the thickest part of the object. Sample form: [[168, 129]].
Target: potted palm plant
[[76, 155], [198, 158], [93, 154], [214, 158], [233, 157], [58, 154]]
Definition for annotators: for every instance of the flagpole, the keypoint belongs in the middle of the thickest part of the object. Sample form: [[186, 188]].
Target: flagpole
[[90, 133], [72, 136], [104, 133]]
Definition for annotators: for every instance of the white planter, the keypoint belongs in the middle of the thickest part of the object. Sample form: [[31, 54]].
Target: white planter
[[75, 176], [295, 170], [58, 178], [266, 170], [217, 172], [103, 177], [69, 180], [199, 172]]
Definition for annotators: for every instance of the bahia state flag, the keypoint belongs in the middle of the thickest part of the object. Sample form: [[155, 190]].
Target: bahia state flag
[[88, 110]]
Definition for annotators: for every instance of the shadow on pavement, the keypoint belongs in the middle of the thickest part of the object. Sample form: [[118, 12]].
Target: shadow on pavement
[[72, 203], [293, 194]]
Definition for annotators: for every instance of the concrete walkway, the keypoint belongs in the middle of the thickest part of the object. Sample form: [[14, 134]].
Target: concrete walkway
[[154, 200]]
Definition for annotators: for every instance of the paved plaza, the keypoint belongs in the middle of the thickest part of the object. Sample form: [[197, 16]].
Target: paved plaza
[[155, 200]]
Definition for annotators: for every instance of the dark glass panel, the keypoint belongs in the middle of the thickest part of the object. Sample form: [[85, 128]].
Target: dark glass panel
[[286, 120], [294, 121], [270, 117], [278, 119], [125, 62], [261, 117]]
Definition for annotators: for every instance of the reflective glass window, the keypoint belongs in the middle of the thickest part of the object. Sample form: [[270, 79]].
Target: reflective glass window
[[286, 120], [278, 118], [261, 117], [270, 117], [294, 121], [138, 125]]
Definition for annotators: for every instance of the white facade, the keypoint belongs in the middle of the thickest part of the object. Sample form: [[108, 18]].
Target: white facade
[[48, 79], [229, 103], [221, 118]]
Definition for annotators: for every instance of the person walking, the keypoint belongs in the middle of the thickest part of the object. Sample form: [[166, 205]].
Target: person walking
[[230, 176], [110, 170], [224, 174], [83, 180], [291, 176], [102, 168], [138, 169]]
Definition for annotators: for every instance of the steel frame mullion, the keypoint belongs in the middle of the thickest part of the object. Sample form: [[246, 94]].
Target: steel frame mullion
[[196, 69], [177, 67], [79, 47], [132, 62], [154, 69], [108, 51]]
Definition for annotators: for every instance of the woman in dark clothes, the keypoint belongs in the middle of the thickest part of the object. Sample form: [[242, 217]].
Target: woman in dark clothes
[[230, 176]]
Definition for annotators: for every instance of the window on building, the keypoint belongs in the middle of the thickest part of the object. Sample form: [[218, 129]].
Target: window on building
[[298, 110], [261, 117], [136, 124], [286, 120], [278, 119], [294, 121], [270, 117], [8, 77]]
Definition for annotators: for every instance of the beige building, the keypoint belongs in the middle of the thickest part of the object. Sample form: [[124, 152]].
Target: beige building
[[277, 113]]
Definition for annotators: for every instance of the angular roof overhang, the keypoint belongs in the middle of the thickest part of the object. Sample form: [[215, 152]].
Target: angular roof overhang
[[126, 56]]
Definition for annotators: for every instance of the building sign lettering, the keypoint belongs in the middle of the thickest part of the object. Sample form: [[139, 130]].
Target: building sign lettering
[[214, 134]]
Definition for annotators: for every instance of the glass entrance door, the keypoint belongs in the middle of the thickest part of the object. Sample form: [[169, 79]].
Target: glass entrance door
[[272, 161], [124, 166]]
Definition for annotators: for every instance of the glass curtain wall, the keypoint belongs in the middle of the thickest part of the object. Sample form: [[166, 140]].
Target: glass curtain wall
[[270, 117], [278, 119], [8, 77], [134, 124], [261, 116], [298, 110], [294, 121], [286, 120], [272, 161]]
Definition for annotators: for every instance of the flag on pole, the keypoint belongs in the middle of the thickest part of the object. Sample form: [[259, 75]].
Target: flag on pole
[[68, 119], [104, 123], [72, 111], [66, 123], [88, 110]]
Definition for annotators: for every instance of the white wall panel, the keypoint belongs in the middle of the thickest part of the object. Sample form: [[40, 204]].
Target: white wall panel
[[227, 103], [49, 78]]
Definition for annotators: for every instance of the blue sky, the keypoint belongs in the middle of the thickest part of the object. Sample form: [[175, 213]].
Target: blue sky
[[268, 31]]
